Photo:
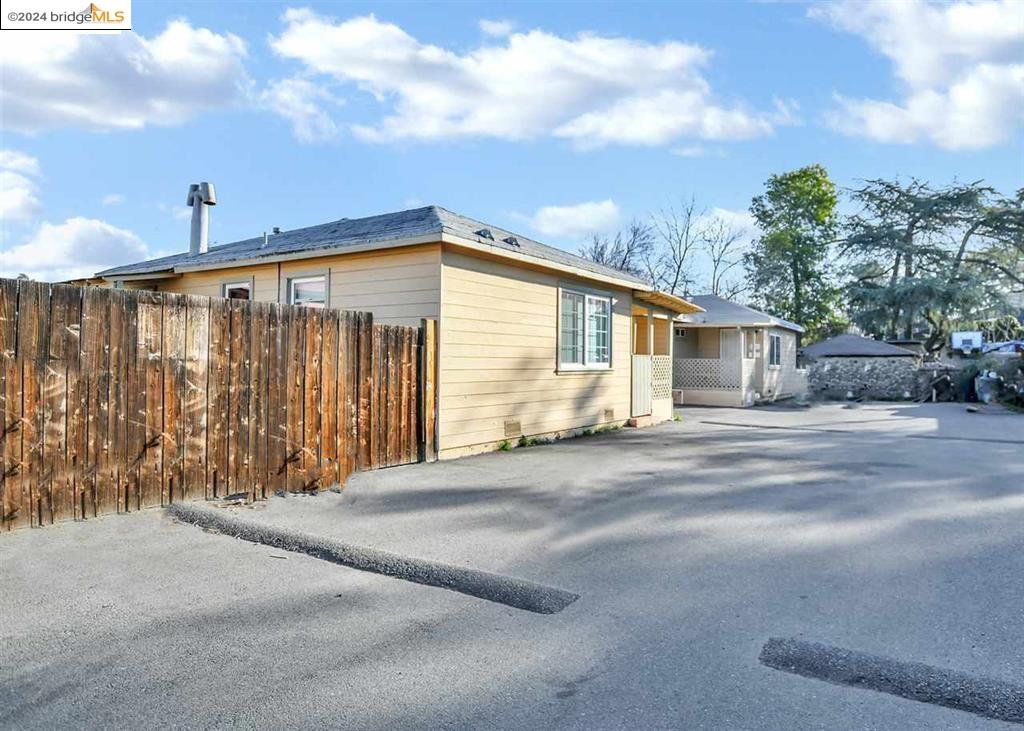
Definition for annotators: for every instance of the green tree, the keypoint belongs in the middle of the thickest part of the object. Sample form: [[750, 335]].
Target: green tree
[[923, 257], [787, 268]]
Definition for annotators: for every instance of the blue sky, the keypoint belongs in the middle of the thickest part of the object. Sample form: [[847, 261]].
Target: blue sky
[[553, 120]]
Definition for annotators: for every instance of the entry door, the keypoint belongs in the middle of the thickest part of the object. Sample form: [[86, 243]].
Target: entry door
[[731, 357], [641, 402]]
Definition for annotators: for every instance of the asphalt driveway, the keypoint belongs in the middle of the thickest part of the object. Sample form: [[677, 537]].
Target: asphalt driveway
[[889, 529]]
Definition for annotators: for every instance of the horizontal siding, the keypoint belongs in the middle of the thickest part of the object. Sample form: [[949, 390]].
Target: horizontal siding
[[784, 380], [498, 356], [399, 286], [210, 283]]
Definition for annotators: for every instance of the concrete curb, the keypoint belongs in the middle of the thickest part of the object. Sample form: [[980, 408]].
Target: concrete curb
[[989, 697], [507, 590]]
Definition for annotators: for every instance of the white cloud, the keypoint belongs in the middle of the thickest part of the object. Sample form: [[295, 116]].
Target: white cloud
[[300, 102], [19, 162], [577, 221], [18, 192], [76, 248], [497, 28], [960, 65], [113, 199], [590, 89], [125, 81]]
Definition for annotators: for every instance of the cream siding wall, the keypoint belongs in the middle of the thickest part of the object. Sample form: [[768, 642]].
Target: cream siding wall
[[399, 286], [497, 359], [686, 346], [210, 283], [783, 380], [708, 343]]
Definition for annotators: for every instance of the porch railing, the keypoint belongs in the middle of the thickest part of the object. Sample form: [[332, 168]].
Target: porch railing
[[661, 376], [705, 374]]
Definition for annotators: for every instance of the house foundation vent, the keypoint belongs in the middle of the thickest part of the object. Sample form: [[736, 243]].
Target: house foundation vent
[[609, 414], [513, 429]]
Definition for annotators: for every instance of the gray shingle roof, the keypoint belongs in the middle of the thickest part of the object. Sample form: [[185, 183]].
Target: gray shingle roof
[[718, 310], [855, 346], [388, 227]]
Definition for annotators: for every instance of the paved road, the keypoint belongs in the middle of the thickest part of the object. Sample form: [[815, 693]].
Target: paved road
[[690, 544]]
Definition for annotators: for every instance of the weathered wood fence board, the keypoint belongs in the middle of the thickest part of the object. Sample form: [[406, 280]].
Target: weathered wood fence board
[[117, 400]]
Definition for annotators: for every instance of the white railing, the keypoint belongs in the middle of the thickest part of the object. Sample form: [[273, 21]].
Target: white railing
[[661, 376], [705, 373]]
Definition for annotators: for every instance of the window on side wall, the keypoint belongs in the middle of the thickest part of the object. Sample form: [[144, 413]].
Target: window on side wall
[[584, 331], [308, 291], [774, 350], [237, 290]]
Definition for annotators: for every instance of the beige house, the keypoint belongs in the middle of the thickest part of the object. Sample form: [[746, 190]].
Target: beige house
[[732, 355], [532, 340]]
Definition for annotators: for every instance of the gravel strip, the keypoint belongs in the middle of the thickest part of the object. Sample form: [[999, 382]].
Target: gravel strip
[[855, 433], [989, 697], [507, 590]]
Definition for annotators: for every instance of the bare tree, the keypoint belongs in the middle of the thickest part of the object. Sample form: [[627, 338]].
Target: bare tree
[[629, 250], [678, 232], [723, 244]]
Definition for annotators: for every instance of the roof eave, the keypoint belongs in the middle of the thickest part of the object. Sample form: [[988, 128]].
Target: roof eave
[[115, 277], [767, 323], [466, 243], [668, 301], [290, 256], [442, 236]]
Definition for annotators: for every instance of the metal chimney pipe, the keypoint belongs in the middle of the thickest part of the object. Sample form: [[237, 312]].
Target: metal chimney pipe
[[200, 195]]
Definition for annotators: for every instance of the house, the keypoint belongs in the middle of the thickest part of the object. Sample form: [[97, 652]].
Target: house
[[732, 355], [855, 366], [532, 340]]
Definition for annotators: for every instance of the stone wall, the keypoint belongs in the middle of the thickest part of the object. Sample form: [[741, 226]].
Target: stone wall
[[870, 378]]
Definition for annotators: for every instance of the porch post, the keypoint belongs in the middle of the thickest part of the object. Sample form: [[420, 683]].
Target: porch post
[[650, 331]]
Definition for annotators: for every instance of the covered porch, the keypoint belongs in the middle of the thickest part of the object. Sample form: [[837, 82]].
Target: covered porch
[[652, 315], [710, 367], [652, 364]]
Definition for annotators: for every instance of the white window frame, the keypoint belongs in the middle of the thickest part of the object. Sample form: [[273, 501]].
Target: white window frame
[[588, 296], [235, 283], [308, 278], [777, 351]]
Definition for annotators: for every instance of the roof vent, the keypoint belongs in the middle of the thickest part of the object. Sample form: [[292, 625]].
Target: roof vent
[[511, 240], [277, 229], [485, 233], [200, 197]]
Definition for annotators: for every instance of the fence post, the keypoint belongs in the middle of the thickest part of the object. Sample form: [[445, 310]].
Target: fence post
[[428, 391]]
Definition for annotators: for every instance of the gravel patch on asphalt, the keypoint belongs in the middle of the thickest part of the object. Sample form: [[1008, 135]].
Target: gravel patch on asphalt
[[828, 430], [989, 697], [513, 592]]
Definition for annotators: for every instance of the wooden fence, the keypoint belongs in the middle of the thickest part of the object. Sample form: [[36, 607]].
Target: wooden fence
[[116, 400]]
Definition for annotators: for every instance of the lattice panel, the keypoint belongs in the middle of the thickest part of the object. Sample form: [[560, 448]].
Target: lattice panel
[[703, 373], [661, 376]]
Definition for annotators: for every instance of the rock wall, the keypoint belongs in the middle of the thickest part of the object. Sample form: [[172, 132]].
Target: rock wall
[[889, 379]]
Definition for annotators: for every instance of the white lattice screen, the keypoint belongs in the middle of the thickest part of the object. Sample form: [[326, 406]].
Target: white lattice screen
[[703, 373], [661, 376]]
